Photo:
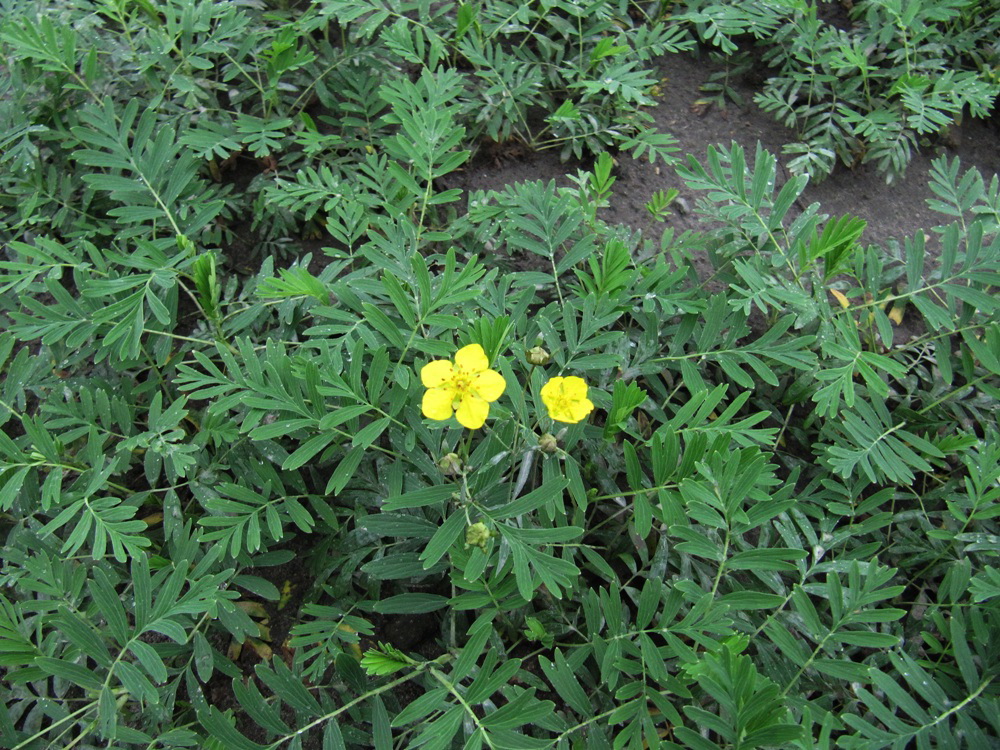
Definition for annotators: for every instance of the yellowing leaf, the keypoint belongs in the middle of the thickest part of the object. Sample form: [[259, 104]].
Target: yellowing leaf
[[353, 648], [841, 298], [254, 609], [263, 650], [896, 314], [286, 594]]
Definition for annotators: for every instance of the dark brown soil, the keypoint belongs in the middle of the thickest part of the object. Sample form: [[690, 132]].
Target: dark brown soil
[[892, 212]]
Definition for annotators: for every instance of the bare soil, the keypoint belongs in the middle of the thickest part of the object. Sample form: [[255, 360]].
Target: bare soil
[[892, 212]]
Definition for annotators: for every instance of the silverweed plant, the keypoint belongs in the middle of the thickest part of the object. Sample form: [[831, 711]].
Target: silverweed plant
[[303, 448]]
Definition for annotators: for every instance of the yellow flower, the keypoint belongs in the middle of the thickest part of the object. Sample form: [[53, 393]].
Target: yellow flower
[[465, 388], [566, 399]]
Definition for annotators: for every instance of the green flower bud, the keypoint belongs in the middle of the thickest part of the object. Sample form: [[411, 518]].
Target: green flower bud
[[477, 535], [538, 356], [548, 443], [451, 465]]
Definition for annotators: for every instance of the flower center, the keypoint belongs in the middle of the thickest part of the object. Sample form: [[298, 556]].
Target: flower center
[[561, 403], [462, 384]]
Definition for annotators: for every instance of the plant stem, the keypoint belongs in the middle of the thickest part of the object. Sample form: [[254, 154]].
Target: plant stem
[[360, 699]]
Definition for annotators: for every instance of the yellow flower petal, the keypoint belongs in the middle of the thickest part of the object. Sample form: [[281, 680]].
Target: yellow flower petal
[[566, 399], [574, 388], [436, 373], [489, 385], [551, 389], [437, 403], [471, 359], [472, 412], [561, 414], [581, 409]]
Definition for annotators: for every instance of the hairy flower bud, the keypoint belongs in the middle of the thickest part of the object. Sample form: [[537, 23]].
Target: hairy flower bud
[[548, 443], [477, 535], [538, 356], [450, 465]]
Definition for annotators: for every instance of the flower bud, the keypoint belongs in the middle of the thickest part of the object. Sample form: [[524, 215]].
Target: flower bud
[[548, 443], [477, 535], [450, 465], [538, 356]]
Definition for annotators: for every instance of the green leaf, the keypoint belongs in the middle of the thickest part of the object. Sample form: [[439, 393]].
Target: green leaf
[[865, 638], [411, 604], [65, 670], [288, 686], [370, 433], [220, 728], [766, 559], [560, 674], [547, 493], [204, 660], [420, 498], [398, 566], [843, 669], [294, 282], [333, 738], [381, 730], [443, 539], [107, 713], [624, 400], [344, 471], [308, 450], [748, 600]]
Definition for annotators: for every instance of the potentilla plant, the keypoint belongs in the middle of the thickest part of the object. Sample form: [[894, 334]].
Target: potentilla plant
[[464, 471], [892, 80], [465, 389]]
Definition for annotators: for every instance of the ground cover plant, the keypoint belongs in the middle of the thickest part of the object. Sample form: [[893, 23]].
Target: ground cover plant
[[867, 81], [304, 448]]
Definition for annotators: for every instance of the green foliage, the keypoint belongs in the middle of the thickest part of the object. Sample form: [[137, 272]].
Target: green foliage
[[227, 522], [869, 90]]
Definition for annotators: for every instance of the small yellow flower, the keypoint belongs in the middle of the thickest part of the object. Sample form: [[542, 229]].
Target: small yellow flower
[[566, 399], [465, 388]]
